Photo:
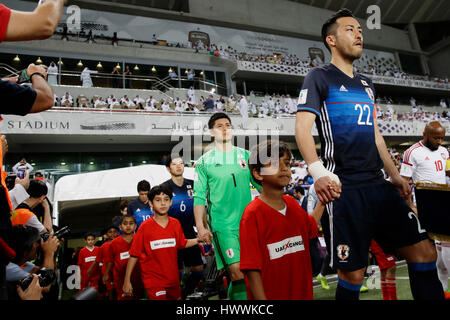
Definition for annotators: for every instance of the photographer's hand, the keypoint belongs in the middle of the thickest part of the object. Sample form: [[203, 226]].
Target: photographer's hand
[[32, 68], [33, 292], [49, 248]]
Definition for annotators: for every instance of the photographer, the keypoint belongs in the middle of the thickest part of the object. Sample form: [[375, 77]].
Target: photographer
[[25, 241], [23, 215], [21, 100]]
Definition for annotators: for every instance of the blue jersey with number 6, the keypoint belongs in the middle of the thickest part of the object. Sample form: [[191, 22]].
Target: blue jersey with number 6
[[183, 206], [344, 107]]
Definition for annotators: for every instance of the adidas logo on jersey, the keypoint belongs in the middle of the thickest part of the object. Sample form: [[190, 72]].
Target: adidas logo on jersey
[[426, 158], [343, 89]]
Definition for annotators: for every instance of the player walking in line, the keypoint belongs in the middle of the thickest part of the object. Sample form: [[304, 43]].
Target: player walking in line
[[353, 153], [222, 187], [427, 160], [183, 209], [117, 258]]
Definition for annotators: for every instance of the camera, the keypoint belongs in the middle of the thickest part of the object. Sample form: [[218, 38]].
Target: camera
[[46, 277], [61, 233]]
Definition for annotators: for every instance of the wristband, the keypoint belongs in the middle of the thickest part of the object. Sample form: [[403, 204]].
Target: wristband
[[318, 171], [37, 73]]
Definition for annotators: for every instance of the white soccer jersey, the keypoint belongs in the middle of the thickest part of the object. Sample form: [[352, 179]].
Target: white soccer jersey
[[422, 164]]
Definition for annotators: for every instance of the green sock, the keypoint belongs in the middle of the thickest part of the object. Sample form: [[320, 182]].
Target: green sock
[[237, 290]]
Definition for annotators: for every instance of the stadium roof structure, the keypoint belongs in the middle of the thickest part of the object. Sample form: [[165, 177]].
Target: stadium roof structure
[[89, 201], [392, 12]]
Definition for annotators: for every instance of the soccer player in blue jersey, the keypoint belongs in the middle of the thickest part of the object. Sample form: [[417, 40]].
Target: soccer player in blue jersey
[[140, 207], [183, 209], [353, 152]]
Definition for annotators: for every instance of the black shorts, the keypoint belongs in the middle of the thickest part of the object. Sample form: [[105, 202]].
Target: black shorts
[[190, 257], [372, 211]]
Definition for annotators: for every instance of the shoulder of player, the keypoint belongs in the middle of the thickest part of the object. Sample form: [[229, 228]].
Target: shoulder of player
[[320, 71], [174, 221], [242, 150], [252, 211], [443, 149], [115, 241], [204, 157], [105, 245], [412, 150], [167, 182]]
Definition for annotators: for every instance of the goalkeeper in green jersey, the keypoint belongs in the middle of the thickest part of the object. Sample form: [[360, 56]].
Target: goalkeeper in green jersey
[[221, 193]]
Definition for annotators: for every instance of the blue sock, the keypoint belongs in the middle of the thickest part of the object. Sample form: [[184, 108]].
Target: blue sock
[[424, 281], [347, 291]]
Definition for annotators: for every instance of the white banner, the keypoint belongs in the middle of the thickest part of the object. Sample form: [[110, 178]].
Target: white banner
[[62, 122]]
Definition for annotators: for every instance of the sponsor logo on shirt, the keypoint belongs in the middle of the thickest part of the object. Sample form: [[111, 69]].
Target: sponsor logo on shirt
[[289, 245], [343, 88], [89, 259], [302, 96], [160, 293], [343, 251], [443, 156], [243, 164], [163, 243], [426, 158], [138, 210], [124, 255]]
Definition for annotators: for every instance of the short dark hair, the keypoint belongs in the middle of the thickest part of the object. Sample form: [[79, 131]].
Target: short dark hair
[[326, 27], [130, 216], [264, 149], [37, 189], [171, 157], [105, 231], [89, 234], [216, 116], [157, 190], [38, 174], [143, 185], [123, 204], [299, 188], [21, 239]]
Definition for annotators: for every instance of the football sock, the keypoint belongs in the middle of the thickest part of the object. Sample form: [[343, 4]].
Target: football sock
[[237, 290], [192, 281], [347, 291], [389, 289], [424, 282]]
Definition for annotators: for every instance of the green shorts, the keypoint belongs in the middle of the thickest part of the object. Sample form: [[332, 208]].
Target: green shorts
[[227, 248]]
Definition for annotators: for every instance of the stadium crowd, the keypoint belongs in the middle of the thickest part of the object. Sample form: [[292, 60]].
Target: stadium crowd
[[151, 249]]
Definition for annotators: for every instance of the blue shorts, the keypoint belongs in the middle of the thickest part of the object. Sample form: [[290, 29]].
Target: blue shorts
[[370, 211]]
